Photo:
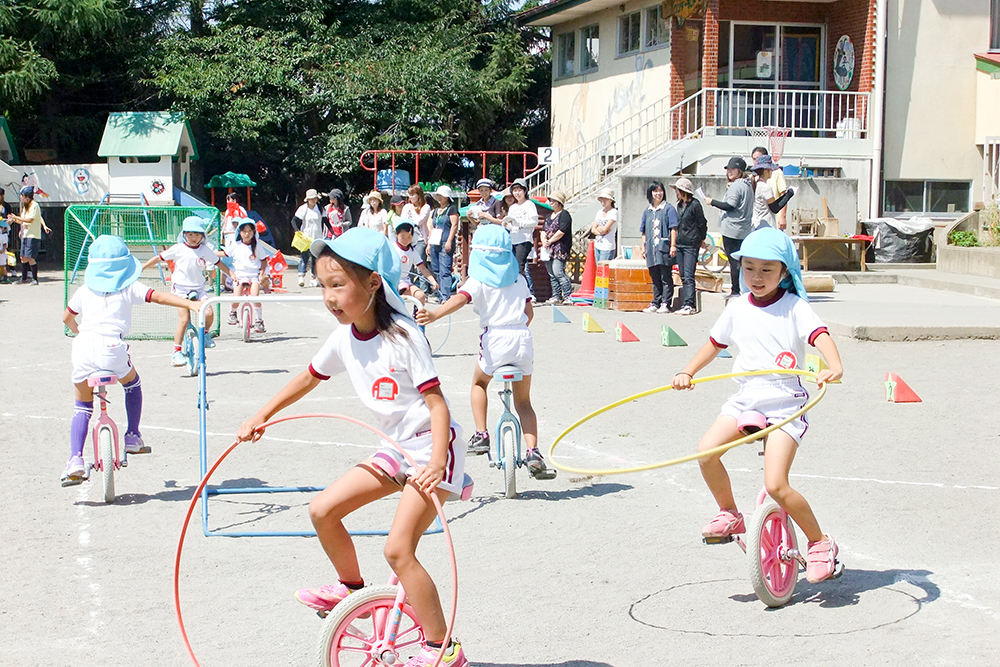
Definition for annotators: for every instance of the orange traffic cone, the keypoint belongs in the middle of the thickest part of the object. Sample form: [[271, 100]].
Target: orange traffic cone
[[897, 391], [586, 290]]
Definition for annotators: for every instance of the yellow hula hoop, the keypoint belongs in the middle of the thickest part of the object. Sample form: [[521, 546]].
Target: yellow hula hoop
[[697, 455]]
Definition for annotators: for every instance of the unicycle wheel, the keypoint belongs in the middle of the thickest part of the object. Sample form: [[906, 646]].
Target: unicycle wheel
[[354, 633], [770, 540], [106, 446], [189, 348]]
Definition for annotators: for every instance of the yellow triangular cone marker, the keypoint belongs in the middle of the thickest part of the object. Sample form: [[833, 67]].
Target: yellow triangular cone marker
[[671, 338], [815, 364], [590, 325]]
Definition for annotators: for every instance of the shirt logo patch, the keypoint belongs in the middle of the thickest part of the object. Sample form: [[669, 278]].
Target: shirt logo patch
[[385, 389], [404, 259], [785, 360]]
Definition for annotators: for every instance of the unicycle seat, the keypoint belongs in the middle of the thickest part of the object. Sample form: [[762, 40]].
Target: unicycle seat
[[102, 379], [508, 374], [466, 494]]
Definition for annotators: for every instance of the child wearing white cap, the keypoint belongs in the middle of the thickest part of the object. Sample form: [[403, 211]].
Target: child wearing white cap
[[499, 295], [388, 362], [104, 308], [192, 259]]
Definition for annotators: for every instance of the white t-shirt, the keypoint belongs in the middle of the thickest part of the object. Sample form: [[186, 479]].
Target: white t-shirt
[[768, 336], [246, 262], [498, 306], [607, 241], [420, 217], [388, 376], [408, 258], [761, 213], [525, 219], [312, 221], [189, 264], [376, 221], [107, 314]]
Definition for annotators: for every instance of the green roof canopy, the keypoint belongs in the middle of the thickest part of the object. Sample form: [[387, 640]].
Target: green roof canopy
[[230, 180], [146, 134], [5, 130]]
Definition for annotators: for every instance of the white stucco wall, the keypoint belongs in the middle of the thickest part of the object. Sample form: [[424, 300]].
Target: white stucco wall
[[931, 91], [131, 178], [987, 107], [586, 104]]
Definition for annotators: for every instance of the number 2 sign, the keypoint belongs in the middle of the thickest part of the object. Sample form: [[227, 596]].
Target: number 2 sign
[[548, 155]]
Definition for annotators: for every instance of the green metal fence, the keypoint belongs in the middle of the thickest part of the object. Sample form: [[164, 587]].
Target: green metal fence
[[146, 230]]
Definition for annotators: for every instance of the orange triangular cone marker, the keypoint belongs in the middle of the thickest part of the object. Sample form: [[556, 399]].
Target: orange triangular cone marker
[[589, 275], [623, 334], [897, 391]]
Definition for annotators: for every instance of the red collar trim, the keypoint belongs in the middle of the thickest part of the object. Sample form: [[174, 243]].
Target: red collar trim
[[778, 293], [403, 247], [193, 247], [363, 336]]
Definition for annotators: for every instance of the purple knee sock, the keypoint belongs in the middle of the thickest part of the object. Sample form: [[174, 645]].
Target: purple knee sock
[[133, 404], [78, 427]]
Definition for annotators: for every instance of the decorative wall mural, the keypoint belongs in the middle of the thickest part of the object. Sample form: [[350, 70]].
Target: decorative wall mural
[[843, 63]]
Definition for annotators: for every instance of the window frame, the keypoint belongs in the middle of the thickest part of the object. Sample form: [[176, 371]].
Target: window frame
[[560, 62], [585, 51], [925, 197], [994, 26], [618, 38]]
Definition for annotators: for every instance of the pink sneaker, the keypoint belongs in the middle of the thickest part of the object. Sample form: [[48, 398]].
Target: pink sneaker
[[821, 561], [454, 656], [323, 599], [724, 524]]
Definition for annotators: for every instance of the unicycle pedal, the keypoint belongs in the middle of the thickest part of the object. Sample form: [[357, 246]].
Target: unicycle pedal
[[724, 539], [838, 570], [548, 473]]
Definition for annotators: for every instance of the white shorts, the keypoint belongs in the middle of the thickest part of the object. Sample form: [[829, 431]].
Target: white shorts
[[777, 400], [183, 290], [506, 346], [420, 447], [247, 278], [94, 353]]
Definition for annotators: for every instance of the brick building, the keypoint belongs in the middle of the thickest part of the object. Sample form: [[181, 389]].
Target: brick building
[[883, 92]]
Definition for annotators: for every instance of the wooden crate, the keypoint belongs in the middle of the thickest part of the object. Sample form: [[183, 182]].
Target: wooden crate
[[629, 289]]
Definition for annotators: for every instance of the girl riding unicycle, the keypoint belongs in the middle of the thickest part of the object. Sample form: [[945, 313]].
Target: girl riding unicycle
[[770, 323], [389, 364]]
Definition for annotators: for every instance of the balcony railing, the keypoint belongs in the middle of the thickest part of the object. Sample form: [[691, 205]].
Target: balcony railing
[[585, 169]]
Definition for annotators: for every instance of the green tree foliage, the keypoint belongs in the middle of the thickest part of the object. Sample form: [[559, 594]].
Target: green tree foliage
[[300, 89]]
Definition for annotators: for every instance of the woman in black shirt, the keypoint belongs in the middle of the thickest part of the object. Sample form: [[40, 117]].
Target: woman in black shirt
[[691, 230], [557, 240]]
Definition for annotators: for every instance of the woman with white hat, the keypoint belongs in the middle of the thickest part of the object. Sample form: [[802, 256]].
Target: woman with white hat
[[441, 244], [557, 240], [375, 216], [605, 227], [691, 230], [308, 219]]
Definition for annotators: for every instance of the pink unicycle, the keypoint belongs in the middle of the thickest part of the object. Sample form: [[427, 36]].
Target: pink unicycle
[[771, 543], [375, 626], [105, 436]]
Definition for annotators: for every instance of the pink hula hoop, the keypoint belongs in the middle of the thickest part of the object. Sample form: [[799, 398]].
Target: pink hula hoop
[[201, 486]]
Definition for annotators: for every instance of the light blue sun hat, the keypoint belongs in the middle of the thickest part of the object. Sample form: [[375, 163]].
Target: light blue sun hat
[[193, 223], [110, 265], [492, 260], [370, 249], [769, 243]]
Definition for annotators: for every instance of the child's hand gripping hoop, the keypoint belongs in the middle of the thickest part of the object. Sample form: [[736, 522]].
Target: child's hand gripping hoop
[[383, 464], [698, 455]]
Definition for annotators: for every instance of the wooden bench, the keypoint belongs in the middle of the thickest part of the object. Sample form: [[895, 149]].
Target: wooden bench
[[843, 245]]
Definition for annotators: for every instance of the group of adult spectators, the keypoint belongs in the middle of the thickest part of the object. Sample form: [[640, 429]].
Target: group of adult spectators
[[435, 220]]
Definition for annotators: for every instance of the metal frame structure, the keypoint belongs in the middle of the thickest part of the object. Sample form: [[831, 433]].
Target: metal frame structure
[[417, 153], [203, 437]]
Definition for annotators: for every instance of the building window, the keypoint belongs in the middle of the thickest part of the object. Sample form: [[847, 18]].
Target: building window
[[937, 197], [629, 31], [590, 48], [657, 30], [566, 55], [994, 25]]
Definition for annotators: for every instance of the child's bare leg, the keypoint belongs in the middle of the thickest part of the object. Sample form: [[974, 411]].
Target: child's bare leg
[[778, 457], [254, 291], [414, 515], [723, 430], [209, 318], [418, 294], [358, 487], [183, 317], [479, 398], [526, 413]]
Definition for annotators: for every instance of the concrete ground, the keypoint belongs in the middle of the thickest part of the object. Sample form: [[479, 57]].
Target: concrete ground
[[578, 571]]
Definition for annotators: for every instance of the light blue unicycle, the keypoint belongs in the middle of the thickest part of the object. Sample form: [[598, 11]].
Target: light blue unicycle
[[189, 346], [507, 436]]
